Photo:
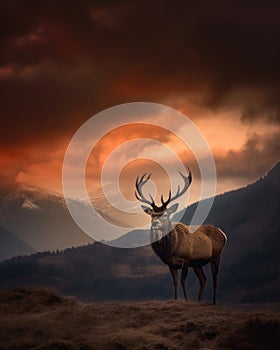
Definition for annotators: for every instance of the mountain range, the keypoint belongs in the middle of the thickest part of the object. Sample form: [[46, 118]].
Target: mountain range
[[38, 219], [249, 268], [11, 245]]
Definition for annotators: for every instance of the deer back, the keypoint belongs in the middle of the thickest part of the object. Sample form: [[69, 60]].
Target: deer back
[[215, 235], [190, 243]]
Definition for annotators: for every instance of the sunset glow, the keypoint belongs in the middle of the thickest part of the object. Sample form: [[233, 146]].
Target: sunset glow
[[56, 73]]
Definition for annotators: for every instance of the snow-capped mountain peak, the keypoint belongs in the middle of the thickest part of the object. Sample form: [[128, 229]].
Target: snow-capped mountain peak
[[31, 197], [28, 204]]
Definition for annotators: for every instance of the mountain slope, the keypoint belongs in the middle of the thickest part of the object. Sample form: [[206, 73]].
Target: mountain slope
[[249, 268], [250, 218], [12, 246], [132, 239], [252, 210], [40, 219]]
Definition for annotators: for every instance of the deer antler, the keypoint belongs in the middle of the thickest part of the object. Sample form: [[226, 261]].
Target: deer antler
[[139, 194], [187, 182]]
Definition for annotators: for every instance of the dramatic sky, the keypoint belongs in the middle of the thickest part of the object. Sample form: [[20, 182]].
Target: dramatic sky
[[61, 62]]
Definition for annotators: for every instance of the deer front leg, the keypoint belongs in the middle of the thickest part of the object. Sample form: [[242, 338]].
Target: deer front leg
[[174, 274], [183, 280], [214, 269], [202, 280]]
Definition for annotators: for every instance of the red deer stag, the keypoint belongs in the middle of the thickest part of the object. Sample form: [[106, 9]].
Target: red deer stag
[[180, 246]]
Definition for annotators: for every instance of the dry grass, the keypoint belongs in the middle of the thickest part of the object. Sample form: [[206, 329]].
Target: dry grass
[[42, 319]]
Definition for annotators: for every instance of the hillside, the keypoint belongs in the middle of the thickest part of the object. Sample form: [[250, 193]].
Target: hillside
[[254, 207], [11, 245], [40, 219], [45, 320], [250, 217], [91, 273], [249, 268]]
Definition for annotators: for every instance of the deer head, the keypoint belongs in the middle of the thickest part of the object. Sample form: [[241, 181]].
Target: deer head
[[160, 222]]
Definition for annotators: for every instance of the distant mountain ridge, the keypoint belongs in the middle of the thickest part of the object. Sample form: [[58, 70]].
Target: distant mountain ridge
[[132, 239], [23, 191], [40, 219], [11, 245], [263, 193], [249, 269]]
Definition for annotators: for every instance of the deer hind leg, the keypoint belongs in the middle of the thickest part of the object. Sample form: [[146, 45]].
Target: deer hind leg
[[183, 280], [214, 269], [202, 280], [174, 274]]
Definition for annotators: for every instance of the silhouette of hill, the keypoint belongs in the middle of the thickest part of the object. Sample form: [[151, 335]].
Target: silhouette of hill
[[250, 217], [249, 269], [40, 219], [134, 238], [43, 319], [12, 245], [91, 273]]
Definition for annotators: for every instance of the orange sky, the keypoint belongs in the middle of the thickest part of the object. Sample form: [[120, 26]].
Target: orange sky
[[61, 64], [227, 141]]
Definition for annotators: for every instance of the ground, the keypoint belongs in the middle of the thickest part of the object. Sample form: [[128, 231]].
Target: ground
[[42, 319]]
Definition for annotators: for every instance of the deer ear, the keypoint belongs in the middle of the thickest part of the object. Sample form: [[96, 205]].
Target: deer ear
[[147, 210], [172, 209]]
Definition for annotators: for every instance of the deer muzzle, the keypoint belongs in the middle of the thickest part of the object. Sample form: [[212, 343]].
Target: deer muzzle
[[156, 224]]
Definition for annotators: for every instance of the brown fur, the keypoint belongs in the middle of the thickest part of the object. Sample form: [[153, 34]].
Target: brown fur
[[186, 246], [182, 246]]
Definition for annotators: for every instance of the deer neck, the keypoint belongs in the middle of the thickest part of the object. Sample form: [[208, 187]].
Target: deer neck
[[161, 243]]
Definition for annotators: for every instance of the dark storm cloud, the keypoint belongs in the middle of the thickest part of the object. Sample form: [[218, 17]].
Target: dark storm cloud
[[258, 154], [267, 109], [46, 105], [61, 62]]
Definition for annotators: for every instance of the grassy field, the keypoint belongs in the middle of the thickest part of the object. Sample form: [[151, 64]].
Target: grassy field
[[42, 319]]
